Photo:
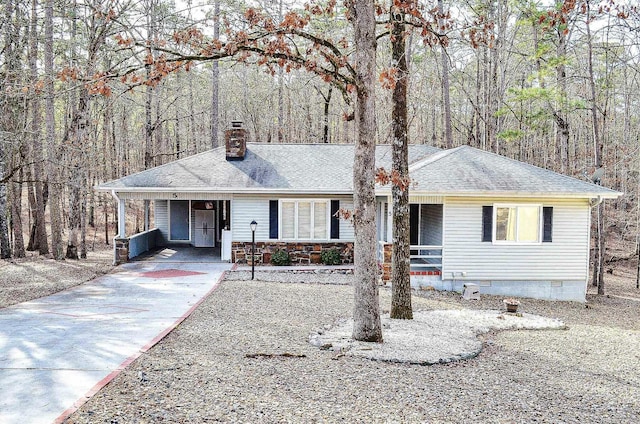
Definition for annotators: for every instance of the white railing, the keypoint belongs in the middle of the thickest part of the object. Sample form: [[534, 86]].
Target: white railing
[[426, 256], [422, 255]]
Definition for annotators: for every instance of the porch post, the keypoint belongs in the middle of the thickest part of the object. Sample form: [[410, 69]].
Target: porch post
[[120, 242], [146, 215], [121, 219]]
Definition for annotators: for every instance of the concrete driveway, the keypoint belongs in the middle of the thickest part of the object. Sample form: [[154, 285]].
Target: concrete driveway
[[57, 351]]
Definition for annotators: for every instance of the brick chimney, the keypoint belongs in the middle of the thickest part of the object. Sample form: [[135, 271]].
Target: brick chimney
[[235, 139]]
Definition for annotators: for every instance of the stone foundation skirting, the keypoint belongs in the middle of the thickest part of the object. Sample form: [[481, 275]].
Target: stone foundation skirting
[[301, 253]]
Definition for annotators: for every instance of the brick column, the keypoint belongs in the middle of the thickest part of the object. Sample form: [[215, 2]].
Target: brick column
[[386, 262], [121, 251]]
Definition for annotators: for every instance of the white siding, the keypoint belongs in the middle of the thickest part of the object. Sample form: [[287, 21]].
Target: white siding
[[565, 258], [161, 219], [346, 226], [245, 209]]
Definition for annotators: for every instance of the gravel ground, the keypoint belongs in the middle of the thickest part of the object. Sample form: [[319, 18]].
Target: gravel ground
[[431, 337], [32, 277], [244, 356]]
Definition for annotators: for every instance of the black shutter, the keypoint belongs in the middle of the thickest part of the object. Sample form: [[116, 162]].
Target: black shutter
[[273, 219], [335, 219], [487, 223], [547, 224]]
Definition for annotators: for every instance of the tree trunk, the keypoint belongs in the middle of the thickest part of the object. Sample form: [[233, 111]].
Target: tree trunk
[[8, 109], [16, 214], [52, 159], [215, 98], [446, 101], [400, 268], [280, 89], [598, 147], [325, 122], [562, 121], [5, 246], [366, 315], [36, 142]]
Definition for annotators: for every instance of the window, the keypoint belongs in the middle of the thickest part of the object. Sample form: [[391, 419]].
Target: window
[[517, 223], [304, 219]]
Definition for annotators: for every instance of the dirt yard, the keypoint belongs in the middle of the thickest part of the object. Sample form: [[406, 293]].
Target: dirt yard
[[35, 276]]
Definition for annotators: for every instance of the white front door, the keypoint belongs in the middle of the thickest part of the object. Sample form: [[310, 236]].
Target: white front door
[[205, 228]]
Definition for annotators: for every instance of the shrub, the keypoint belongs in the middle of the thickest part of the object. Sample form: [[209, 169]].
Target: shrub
[[280, 258], [331, 257]]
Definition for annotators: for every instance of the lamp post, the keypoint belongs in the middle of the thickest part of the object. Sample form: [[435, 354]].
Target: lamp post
[[253, 226]]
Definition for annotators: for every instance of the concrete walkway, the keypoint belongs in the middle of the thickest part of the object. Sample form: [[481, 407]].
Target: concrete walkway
[[57, 351]]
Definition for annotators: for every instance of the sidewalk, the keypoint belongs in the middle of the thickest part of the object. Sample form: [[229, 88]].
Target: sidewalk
[[57, 351]]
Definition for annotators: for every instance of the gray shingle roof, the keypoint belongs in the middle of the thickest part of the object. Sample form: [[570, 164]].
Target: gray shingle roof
[[286, 167], [328, 168], [466, 170]]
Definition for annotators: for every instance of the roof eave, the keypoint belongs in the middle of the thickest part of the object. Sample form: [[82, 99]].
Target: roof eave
[[214, 190], [577, 195]]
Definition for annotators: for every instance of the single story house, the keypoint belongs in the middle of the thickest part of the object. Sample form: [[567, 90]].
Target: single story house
[[476, 217]]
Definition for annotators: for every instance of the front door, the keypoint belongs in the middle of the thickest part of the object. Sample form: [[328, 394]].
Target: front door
[[205, 228]]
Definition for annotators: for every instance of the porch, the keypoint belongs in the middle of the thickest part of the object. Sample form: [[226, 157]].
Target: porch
[[189, 229], [426, 238]]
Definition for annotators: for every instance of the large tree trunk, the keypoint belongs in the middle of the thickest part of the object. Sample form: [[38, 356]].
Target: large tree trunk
[[366, 314], [400, 268]]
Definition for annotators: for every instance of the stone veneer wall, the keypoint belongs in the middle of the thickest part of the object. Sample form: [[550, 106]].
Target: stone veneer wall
[[122, 251], [301, 253]]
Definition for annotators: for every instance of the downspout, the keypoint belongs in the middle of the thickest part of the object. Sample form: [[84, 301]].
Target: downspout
[[117, 236], [115, 196], [592, 203], [598, 200]]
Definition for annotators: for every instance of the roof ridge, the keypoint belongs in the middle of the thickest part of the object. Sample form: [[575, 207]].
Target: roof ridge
[[433, 158]]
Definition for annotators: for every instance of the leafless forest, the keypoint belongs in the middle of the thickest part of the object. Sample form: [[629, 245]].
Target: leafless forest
[[93, 90]]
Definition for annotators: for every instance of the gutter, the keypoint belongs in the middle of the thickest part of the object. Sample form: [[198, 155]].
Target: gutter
[[596, 201]]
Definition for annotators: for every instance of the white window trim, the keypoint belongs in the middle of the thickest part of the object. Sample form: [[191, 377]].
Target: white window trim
[[327, 203], [517, 242]]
